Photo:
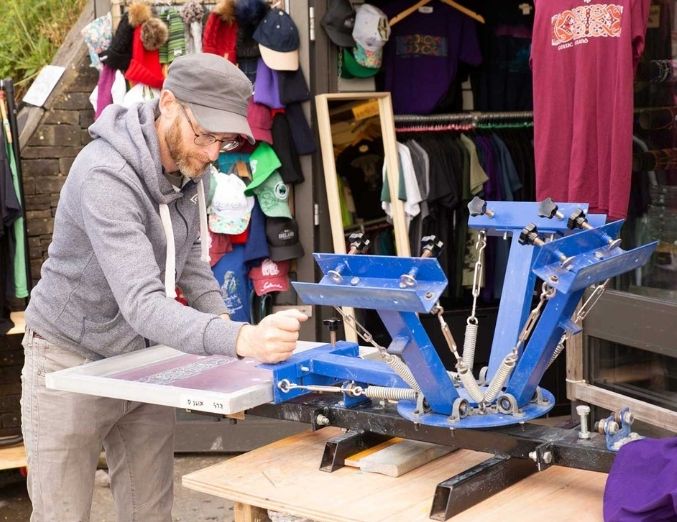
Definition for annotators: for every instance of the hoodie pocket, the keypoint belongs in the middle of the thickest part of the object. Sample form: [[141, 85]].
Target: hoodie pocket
[[109, 338]]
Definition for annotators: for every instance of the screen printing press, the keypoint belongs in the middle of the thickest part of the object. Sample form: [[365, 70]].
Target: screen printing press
[[404, 390]]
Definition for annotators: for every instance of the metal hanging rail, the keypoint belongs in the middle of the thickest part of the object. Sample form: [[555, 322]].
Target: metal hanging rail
[[462, 116]]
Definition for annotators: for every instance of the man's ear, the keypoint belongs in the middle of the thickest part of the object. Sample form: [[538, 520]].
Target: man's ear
[[167, 104]]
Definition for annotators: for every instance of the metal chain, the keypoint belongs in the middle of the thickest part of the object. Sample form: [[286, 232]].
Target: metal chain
[[582, 313], [479, 247], [547, 292], [446, 331], [360, 330], [591, 301]]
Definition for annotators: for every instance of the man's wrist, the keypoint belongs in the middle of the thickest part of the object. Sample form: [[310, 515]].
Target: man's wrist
[[242, 342]]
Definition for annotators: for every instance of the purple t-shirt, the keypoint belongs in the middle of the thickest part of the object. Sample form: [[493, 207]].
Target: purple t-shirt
[[421, 56]]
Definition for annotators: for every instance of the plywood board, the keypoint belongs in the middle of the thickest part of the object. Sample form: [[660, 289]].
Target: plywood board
[[399, 459], [284, 476]]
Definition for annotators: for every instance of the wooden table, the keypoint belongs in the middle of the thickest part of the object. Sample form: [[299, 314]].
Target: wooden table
[[12, 457], [284, 476]]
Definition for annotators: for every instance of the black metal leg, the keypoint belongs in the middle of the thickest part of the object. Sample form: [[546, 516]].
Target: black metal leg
[[338, 448], [477, 484]]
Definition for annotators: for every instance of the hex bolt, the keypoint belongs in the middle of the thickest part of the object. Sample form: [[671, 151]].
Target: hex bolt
[[430, 247], [358, 245], [322, 420], [627, 417], [606, 426], [547, 457], [478, 207], [355, 281], [549, 209], [583, 412], [533, 456], [529, 236]]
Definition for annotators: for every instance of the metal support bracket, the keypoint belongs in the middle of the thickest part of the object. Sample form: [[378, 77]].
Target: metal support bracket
[[338, 448], [478, 483]]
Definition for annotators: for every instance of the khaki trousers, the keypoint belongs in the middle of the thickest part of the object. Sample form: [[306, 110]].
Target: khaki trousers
[[64, 433]]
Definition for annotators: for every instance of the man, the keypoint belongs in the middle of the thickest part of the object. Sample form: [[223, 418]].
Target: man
[[126, 227]]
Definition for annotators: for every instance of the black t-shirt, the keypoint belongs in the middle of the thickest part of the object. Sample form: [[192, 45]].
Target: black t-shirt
[[361, 165]]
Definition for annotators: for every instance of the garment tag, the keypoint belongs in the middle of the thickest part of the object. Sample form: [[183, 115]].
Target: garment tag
[[526, 9], [426, 9], [654, 17], [194, 402]]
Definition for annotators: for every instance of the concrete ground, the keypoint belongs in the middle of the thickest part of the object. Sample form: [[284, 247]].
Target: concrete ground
[[189, 506]]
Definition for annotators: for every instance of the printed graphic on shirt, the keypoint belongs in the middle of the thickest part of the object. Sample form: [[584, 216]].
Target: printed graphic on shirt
[[575, 26], [414, 45], [230, 293]]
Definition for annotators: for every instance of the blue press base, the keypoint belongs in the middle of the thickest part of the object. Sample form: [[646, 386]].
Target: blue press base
[[488, 420]]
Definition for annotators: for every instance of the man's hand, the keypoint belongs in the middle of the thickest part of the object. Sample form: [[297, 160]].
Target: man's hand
[[273, 339]]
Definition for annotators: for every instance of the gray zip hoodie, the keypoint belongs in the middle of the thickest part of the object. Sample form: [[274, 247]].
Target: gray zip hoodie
[[103, 290]]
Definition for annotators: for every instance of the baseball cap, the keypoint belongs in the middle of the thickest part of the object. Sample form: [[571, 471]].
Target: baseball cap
[[260, 121], [371, 32], [216, 91], [230, 209], [350, 68], [270, 277], [338, 22], [272, 195], [283, 239], [278, 40], [262, 162]]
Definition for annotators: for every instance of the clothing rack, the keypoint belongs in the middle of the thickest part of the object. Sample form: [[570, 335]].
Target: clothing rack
[[7, 85], [463, 116]]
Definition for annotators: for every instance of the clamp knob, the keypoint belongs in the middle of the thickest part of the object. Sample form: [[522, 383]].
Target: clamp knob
[[577, 219], [358, 243], [478, 207], [549, 209], [529, 236], [431, 246]]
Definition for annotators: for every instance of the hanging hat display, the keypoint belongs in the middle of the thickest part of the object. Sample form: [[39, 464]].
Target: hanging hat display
[[192, 13], [145, 66], [220, 35], [278, 39]]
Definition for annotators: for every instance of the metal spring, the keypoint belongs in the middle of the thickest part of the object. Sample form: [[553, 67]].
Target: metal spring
[[403, 371], [469, 343], [470, 384], [500, 378], [558, 350], [390, 394]]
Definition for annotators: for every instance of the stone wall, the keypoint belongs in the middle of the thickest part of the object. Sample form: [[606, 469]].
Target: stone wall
[[47, 155]]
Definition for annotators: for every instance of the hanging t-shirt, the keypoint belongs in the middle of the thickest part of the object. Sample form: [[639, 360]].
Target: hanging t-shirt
[[583, 57], [421, 56]]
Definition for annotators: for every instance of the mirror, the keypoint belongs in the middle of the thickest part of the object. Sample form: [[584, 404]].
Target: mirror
[[355, 120], [357, 138]]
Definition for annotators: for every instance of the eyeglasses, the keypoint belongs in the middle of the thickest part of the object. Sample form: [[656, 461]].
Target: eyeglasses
[[204, 140]]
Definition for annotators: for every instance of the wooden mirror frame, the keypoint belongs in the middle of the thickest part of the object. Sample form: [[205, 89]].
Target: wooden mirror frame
[[391, 160]]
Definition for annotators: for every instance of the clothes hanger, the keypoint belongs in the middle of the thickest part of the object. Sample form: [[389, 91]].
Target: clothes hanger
[[401, 16]]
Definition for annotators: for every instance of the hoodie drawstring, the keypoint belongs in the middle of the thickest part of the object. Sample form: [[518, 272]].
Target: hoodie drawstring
[[170, 260], [204, 231]]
